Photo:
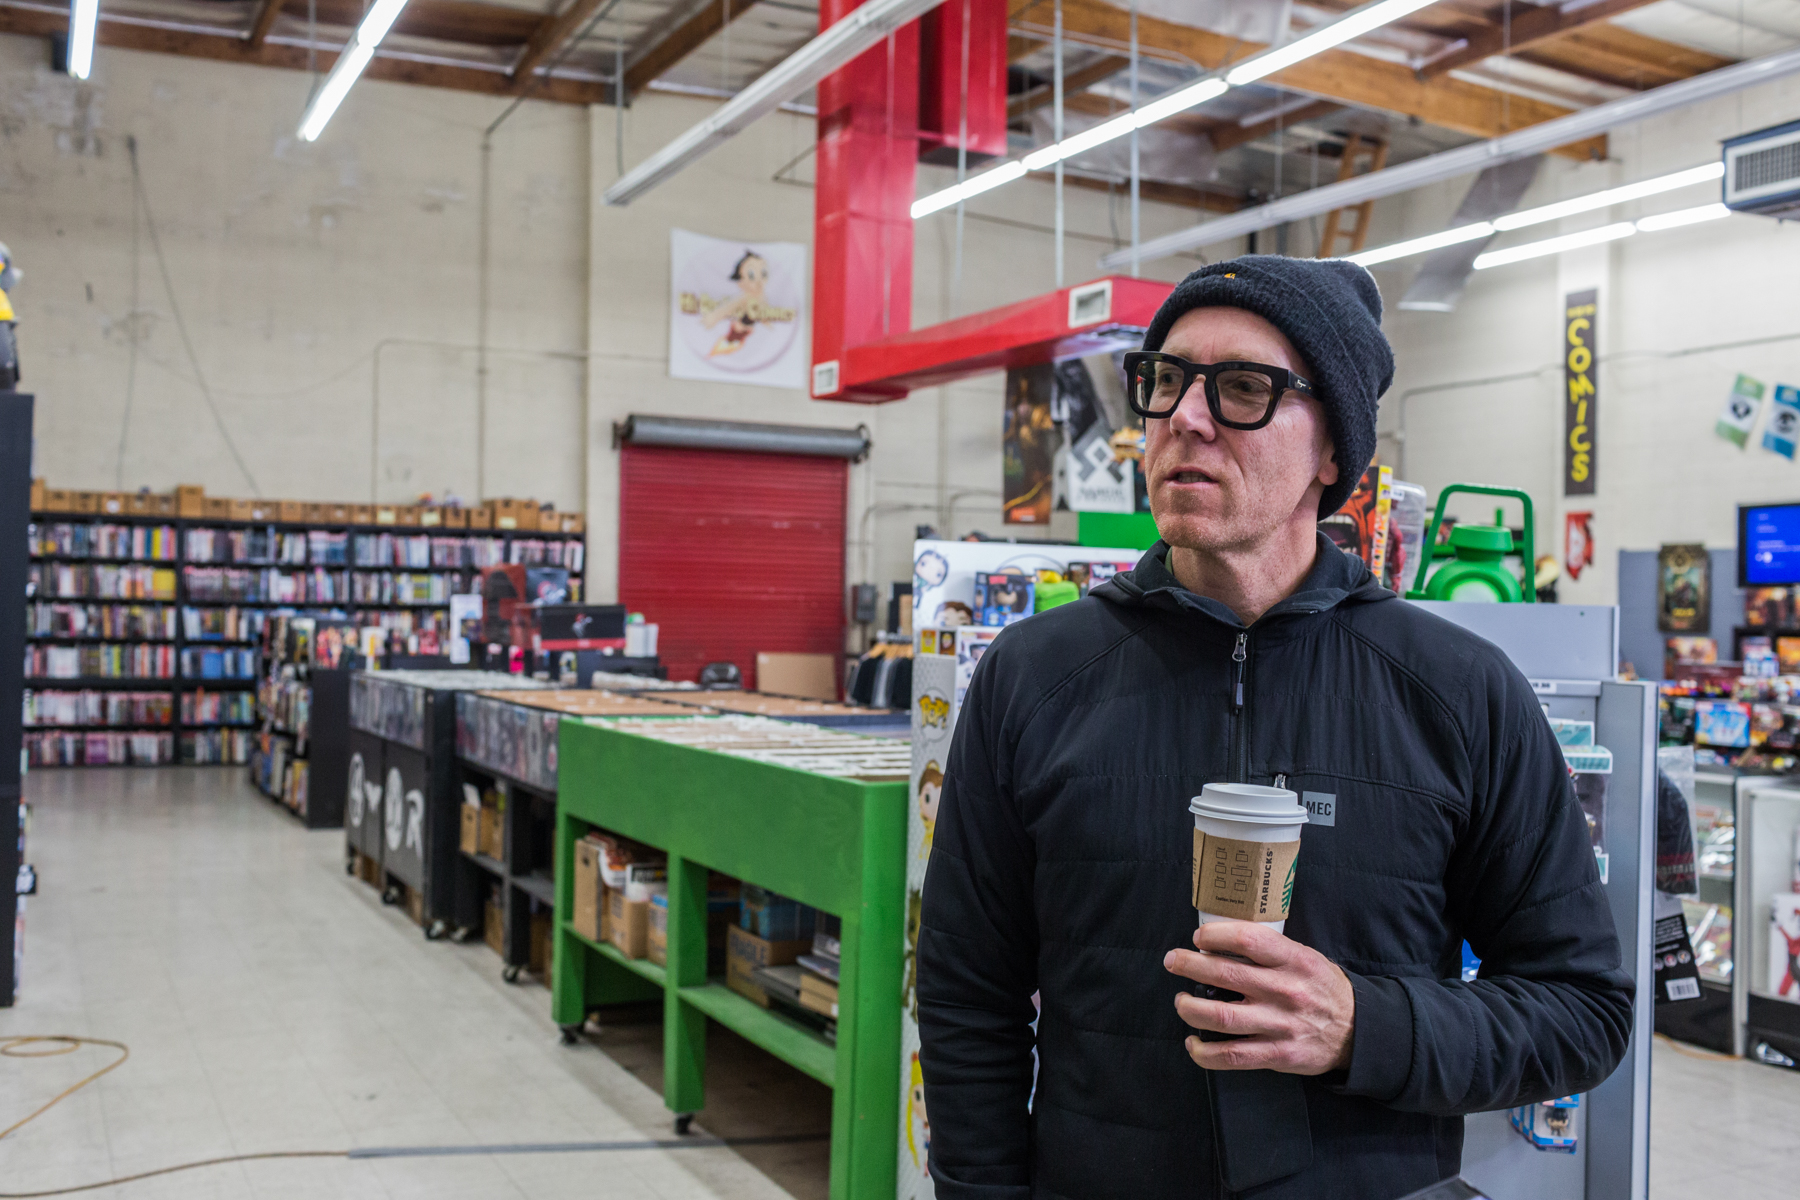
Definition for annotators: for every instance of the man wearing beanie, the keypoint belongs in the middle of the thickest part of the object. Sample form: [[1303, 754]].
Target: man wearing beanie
[[1338, 1058]]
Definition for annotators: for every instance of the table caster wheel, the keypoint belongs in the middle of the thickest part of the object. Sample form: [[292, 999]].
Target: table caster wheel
[[571, 1034], [684, 1124], [435, 931], [462, 935], [390, 895], [510, 973]]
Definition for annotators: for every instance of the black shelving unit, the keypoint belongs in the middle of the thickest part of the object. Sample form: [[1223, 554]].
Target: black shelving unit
[[524, 874], [178, 684], [324, 746], [15, 518]]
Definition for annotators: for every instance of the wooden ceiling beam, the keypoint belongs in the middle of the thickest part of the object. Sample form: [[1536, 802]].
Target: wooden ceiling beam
[[1528, 27], [1229, 135], [551, 33], [266, 12], [1341, 75], [1074, 82], [234, 48], [1150, 189], [680, 42], [469, 22]]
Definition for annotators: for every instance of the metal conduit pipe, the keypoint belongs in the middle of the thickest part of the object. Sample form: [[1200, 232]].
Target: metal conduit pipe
[[693, 434]]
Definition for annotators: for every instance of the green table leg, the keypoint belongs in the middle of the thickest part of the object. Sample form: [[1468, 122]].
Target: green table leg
[[684, 1026], [865, 1111], [569, 958]]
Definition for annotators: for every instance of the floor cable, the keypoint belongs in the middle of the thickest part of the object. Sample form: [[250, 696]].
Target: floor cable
[[57, 1044]]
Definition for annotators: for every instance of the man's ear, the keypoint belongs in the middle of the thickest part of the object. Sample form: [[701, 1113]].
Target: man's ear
[[1328, 470]]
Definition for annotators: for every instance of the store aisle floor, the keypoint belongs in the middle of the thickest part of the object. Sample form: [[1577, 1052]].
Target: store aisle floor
[[271, 1003]]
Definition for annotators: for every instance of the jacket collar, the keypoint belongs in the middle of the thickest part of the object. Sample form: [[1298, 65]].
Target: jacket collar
[[1335, 578]]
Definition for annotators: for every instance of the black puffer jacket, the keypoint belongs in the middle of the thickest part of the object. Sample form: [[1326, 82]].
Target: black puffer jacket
[[1061, 864]]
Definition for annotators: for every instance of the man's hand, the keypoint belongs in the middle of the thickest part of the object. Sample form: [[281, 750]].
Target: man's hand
[[1298, 1013]]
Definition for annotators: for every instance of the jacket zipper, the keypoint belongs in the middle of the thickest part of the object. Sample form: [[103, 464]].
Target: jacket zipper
[[1240, 766]]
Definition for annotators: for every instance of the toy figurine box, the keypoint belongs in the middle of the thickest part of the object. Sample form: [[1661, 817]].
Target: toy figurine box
[[1784, 946], [1003, 597]]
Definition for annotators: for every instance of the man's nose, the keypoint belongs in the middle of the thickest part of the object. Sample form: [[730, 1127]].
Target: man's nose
[[1191, 415]]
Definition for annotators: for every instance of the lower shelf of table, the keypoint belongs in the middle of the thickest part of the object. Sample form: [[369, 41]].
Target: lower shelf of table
[[794, 1043]]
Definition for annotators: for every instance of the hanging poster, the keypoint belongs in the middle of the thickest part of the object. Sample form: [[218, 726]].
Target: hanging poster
[[1742, 407], [1578, 543], [1683, 589], [1783, 429], [1028, 444], [1098, 470], [1581, 392], [736, 310]]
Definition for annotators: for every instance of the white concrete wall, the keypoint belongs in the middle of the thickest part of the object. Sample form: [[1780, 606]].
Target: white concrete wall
[[332, 288], [1676, 307]]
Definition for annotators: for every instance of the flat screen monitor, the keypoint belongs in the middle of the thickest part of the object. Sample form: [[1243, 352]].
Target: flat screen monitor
[[1768, 545]]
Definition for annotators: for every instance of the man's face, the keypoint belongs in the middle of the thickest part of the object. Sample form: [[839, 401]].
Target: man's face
[[1213, 488]]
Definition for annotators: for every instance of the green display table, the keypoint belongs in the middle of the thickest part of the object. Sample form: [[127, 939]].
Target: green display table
[[838, 844]]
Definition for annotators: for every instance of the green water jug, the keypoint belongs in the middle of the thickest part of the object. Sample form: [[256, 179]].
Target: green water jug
[[1477, 570]]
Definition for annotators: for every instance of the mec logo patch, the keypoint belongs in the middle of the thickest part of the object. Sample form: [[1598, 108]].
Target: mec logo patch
[[1321, 808]]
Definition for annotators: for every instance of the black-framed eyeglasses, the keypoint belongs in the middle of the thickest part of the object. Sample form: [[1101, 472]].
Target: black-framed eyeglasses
[[1240, 395]]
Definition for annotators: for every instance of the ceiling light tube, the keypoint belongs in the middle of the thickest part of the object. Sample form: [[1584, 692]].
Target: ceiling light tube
[[1619, 195], [1348, 27], [1685, 216], [84, 15], [349, 67], [986, 181], [1555, 245], [1423, 245]]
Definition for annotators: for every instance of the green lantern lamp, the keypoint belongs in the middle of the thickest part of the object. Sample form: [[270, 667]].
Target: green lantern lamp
[[1477, 570]]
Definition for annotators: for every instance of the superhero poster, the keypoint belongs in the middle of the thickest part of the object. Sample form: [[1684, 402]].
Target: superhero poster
[[1683, 589], [736, 311], [1029, 440]]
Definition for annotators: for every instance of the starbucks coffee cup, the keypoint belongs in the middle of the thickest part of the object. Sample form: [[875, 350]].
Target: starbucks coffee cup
[[1246, 841]]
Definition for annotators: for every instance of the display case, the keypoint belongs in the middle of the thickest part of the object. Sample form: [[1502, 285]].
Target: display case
[[1768, 987], [1709, 1021]]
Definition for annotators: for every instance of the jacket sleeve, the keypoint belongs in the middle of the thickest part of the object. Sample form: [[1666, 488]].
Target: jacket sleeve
[[978, 947], [1550, 1014]]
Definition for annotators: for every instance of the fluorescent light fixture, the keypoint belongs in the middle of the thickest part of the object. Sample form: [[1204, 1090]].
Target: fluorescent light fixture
[[1555, 245], [349, 67], [787, 80], [1685, 216], [1352, 25], [1348, 27], [1618, 195], [1423, 245], [974, 186], [83, 16], [1562, 208]]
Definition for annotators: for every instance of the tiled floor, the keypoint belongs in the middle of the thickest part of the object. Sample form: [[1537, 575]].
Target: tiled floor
[[271, 1003]]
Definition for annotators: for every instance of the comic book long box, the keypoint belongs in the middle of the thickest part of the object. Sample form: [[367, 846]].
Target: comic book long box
[[944, 659]]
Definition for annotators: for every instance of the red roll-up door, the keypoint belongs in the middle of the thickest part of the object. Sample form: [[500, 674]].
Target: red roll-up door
[[732, 552]]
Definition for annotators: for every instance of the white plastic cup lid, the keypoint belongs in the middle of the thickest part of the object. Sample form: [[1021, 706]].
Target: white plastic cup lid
[[1251, 803]]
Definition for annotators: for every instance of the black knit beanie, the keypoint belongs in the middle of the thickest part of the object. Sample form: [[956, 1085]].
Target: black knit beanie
[[1331, 310]]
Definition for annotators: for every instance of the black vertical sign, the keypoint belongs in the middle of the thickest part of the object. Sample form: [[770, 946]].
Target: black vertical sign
[[15, 518], [1581, 394]]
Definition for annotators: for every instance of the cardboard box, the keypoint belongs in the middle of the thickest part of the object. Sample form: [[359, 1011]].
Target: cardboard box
[[431, 517], [415, 905], [471, 829], [215, 510], [139, 504], [812, 676], [493, 925], [291, 512], [58, 500], [658, 950], [521, 515], [589, 891], [480, 518], [316, 514], [263, 510], [818, 994], [163, 506], [360, 514], [455, 517], [744, 952], [409, 515], [492, 836], [573, 522], [628, 924], [37, 495], [115, 504], [87, 502], [387, 514], [242, 510], [190, 500]]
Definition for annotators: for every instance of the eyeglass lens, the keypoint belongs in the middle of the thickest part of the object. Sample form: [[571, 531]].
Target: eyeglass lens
[[1243, 395]]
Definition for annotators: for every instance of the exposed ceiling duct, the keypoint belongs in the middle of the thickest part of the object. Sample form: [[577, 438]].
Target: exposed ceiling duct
[[694, 434], [1468, 159], [1496, 191]]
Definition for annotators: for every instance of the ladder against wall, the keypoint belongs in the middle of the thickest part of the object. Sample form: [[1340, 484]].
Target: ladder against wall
[[1371, 153]]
